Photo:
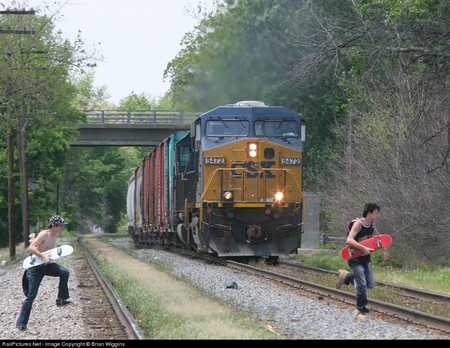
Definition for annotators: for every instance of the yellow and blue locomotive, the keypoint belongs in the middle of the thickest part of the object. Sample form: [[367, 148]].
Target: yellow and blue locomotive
[[237, 183]]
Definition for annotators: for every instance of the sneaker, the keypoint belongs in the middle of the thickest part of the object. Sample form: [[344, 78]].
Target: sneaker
[[61, 303], [360, 316], [364, 310], [21, 327], [342, 273]]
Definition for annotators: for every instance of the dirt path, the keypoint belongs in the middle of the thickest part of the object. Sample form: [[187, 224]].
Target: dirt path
[[177, 296]]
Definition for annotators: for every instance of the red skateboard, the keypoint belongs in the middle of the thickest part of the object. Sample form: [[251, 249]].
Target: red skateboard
[[376, 243]]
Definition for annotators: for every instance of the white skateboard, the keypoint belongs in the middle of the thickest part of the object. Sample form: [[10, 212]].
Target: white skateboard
[[53, 254]]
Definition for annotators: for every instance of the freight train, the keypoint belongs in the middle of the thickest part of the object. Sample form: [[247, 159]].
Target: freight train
[[231, 186]]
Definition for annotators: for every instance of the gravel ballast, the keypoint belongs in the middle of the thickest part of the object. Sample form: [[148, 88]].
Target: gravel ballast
[[290, 314]]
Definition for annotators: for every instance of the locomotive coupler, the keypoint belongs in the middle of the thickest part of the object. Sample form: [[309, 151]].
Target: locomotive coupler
[[253, 233]]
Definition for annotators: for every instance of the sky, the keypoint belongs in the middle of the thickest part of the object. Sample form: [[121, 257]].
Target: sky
[[137, 39]]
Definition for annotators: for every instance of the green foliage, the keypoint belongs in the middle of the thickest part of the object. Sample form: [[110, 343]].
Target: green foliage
[[88, 96], [95, 185], [331, 260], [229, 57], [36, 96], [432, 279], [244, 51], [321, 259], [135, 102], [402, 13], [154, 311], [368, 76]]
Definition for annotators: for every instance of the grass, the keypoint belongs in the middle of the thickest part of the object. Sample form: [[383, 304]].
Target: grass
[[429, 278], [169, 308], [437, 280], [425, 277], [182, 312], [166, 307]]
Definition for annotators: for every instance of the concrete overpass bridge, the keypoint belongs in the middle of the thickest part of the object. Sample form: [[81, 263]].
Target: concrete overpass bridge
[[132, 128]]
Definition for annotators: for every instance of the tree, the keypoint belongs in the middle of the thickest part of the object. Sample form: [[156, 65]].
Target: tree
[[35, 78], [135, 102], [88, 96], [369, 77], [229, 57], [95, 184], [250, 50], [393, 147]]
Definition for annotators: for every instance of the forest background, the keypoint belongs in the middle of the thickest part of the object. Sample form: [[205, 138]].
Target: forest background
[[370, 77]]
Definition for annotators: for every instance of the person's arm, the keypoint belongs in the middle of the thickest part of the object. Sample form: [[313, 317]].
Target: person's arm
[[33, 248], [385, 251]]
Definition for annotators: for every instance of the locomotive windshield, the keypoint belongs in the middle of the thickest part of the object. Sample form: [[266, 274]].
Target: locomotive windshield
[[277, 128], [239, 128]]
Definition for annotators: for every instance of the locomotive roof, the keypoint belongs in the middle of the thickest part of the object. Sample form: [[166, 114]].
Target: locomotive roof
[[250, 109]]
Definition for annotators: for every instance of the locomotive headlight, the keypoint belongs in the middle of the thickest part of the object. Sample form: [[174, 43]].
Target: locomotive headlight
[[279, 196], [252, 150], [228, 196]]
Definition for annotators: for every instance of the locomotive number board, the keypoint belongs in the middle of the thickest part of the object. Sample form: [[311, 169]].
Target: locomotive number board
[[214, 160], [291, 160]]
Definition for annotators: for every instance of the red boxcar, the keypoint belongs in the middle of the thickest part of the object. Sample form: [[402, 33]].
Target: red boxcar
[[153, 202]]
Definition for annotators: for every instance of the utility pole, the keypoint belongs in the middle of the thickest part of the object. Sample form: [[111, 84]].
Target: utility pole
[[10, 144], [21, 124]]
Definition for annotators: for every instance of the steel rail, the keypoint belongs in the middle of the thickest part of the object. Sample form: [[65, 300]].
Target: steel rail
[[125, 317], [423, 318], [420, 293], [411, 315]]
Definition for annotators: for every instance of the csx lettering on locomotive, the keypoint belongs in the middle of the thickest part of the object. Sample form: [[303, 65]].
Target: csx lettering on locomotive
[[253, 169]]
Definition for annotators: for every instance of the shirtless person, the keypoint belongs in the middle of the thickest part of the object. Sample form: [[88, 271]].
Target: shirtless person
[[44, 241]]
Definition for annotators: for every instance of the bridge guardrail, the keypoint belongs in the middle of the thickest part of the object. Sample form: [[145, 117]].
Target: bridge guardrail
[[141, 117]]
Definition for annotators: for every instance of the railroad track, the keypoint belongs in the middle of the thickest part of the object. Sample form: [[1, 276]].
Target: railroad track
[[104, 313], [280, 273], [409, 314], [413, 296]]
